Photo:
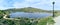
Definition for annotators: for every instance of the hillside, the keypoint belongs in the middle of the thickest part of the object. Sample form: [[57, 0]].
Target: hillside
[[27, 9]]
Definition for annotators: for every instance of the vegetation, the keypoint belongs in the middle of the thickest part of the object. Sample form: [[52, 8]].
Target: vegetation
[[27, 9], [22, 21], [26, 21]]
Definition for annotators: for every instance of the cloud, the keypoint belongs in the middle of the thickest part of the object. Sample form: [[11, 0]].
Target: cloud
[[43, 4], [19, 5]]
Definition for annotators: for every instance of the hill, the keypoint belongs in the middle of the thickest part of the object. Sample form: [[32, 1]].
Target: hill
[[26, 9]]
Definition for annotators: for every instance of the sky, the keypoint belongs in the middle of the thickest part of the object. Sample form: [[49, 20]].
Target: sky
[[41, 4]]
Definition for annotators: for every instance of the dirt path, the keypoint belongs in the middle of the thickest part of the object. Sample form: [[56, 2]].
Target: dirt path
[[57, 20], [5, 17]]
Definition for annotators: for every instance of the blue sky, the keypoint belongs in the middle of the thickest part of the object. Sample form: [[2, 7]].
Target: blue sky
[[41, 4]]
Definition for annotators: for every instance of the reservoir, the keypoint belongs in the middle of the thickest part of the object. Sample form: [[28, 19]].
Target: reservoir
[[29, 15]]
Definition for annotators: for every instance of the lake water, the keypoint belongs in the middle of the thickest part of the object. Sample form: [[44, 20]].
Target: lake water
[[29, 15]]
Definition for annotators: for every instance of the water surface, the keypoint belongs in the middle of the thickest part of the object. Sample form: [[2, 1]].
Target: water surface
[[29, 15]]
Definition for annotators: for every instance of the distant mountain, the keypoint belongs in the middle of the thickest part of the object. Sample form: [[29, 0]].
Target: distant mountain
[[27, 9]]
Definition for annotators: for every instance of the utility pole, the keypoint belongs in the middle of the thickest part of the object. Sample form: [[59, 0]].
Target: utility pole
[[53, 8]]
